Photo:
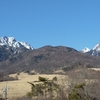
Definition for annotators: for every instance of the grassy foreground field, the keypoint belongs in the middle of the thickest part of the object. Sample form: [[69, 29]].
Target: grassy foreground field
[[20, 87]]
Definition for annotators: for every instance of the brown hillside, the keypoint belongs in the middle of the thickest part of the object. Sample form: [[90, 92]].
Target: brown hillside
[[48, 59]]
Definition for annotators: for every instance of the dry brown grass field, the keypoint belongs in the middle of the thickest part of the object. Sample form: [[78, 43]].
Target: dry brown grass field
[[20, 87]]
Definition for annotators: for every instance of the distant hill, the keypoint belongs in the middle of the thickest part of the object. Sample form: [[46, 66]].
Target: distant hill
[[49, 59]]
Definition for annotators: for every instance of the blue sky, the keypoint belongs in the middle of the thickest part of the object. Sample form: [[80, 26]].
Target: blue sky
[[72, 23]]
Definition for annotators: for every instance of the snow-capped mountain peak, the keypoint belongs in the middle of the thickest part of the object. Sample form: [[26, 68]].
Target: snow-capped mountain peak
[[8, 41], [97, 47], [11, 42], [94, 52], [85, 50]]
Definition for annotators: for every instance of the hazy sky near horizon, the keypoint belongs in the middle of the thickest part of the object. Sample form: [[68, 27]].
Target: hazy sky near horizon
[[72, 23]]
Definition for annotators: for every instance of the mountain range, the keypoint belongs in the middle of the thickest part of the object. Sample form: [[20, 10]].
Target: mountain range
[[15, 45], [94, 52], [20, 56], [9, 47]]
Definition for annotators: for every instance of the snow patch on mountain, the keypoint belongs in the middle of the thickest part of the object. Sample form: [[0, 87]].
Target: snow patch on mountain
[[97, 47], [11, 42], [85, 50], [94, 52], [26, 45]]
